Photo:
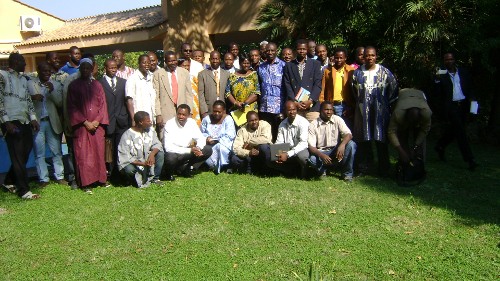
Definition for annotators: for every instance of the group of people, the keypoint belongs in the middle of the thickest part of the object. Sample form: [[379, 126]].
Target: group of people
[[303, 114]]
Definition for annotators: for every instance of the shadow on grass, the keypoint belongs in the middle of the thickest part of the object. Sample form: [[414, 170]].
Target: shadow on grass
[[474, 196]]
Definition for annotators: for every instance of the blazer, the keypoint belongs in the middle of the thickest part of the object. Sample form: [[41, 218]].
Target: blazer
[[53, 103], [119, 119], [444, 88], [311, 81], [164, 104], [328, 85], [207, 88]]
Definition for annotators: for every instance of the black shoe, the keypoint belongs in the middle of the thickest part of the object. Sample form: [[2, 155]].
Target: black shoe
[[169, 178], [440, 152], [188, 172]]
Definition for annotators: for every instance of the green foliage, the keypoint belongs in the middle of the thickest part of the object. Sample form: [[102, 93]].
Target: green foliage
[[241, 227], [131, 60]]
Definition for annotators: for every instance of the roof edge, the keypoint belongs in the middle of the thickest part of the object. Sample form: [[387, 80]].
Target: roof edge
[[41, 11], [110, 13]]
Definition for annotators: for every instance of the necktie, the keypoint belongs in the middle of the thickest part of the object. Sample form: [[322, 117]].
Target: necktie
[[175, 88], [113, 86], [216, 75]]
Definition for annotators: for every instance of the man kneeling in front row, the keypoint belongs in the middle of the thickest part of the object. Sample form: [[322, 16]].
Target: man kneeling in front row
[[323, 140], [140, 153], [185, 148]]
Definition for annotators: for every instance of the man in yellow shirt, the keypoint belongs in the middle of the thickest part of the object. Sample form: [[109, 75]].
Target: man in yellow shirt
[[336, 86]]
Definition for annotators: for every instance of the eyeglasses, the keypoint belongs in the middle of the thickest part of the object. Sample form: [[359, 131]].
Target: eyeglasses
[[187, 50]]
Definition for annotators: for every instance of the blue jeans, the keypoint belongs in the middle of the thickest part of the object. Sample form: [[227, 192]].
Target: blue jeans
[[339, 110], [346, 164], [47, 136]]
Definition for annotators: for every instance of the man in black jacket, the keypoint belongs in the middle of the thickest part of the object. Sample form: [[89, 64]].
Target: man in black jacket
[[119, 120], [454, 91]]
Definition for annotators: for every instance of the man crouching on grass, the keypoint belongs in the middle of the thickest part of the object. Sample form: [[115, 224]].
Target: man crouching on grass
[[140, 153]]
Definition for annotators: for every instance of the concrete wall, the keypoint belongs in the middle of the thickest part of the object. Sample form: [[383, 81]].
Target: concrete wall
[[205, 23], [10, 28]]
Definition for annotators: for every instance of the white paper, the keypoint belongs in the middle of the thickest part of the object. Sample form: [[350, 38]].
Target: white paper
[[473, 107]]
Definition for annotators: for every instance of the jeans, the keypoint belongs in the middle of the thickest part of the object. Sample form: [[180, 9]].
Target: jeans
[[346, 164], [47, 136]]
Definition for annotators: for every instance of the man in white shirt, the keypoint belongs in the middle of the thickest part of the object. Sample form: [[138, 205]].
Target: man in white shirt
[[47, 99], [17, 121], [185, 148], [139, 89], [294, 131], [187, 53], [324, 145]]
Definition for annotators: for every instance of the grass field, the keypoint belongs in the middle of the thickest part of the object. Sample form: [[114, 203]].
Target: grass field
[[239, 227]]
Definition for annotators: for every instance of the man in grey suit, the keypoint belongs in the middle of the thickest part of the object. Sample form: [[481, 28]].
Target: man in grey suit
[[211, 84], [173, 87], [119, 120], [47, 99]]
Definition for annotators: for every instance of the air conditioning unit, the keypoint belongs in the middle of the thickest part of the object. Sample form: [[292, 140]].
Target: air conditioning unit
[[31, 23]]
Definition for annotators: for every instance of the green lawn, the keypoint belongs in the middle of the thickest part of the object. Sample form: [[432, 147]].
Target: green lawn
[[238, 227]]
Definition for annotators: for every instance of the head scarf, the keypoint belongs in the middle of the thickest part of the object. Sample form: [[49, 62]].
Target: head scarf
[[87, 60]]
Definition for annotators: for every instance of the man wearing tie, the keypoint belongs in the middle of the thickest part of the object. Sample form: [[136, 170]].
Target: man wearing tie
[[173, 87], [119, 120], [211, 84]]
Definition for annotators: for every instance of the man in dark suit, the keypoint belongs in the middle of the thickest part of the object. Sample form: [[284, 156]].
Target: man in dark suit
[[211, 84], [119, 120], [303, 73], [454, 91]]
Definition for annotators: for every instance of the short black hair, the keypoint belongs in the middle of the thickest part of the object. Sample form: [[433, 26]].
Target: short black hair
[[250, 113], [324, 103], [72, 48], [14, 58], [183, 106], [139, 116], [219, 103], [340, 49], [49, 54], [141, 57]]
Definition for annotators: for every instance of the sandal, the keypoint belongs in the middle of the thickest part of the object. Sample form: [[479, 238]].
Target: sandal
[[30, 195]]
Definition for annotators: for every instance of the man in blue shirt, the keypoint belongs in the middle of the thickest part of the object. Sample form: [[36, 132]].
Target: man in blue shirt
[[74, 61], [272, 96]]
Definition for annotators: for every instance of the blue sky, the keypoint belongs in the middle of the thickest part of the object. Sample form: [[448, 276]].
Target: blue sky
[[66, 9]]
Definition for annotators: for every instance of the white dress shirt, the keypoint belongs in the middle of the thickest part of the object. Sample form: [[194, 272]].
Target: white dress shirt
[[294, 134], [140, 89], [458, 95], [178, 138]]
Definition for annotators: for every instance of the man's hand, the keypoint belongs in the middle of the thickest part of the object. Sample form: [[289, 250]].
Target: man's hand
[[254, 152], [49, 86], [11, 128], [403, 156], [95, 124], [325, 158], [37, 97], [88, 125], [159, 122], [151, 160], [340, 152], [282, 157], [196, 151], [305, 105], [35, 125]]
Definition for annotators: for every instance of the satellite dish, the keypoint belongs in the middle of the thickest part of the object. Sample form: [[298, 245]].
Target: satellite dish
[[29, 22]]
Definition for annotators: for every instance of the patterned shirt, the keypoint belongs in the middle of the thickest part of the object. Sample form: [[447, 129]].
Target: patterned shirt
[[15, 100], [272, 96], [136, 146], [126, 73]]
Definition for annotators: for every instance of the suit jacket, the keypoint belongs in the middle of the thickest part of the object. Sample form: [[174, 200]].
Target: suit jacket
[[328, 85], [119, 119], [53, 103], [207, 88], [444, 88], [164, 104], [311, 81]]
